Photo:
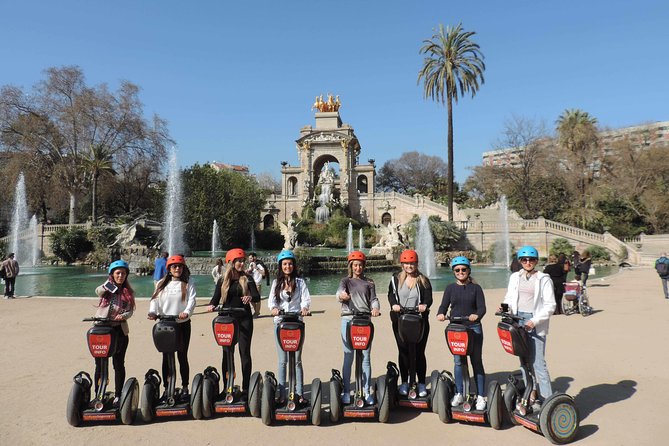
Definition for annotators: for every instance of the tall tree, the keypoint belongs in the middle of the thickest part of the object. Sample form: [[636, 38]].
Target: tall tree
[[453, 66], [97, 162], [412, 172], [578, 136]]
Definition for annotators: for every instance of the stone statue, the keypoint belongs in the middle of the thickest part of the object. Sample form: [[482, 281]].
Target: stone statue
[[289, 232]]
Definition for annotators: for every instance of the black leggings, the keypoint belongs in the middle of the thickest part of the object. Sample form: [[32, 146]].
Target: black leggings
[[244, 344], [118, 361], [182, 356], [403, 349]]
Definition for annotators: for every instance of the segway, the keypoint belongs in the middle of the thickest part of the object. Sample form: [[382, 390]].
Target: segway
[[102, 343], [291, 337], [231, 401], [411, 329], [458, 338], [168, 339], [558, 418], [358, 338]]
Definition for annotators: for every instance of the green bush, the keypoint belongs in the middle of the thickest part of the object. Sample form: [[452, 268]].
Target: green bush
[[101, 237], [303, 261], [3, 250], [70, 244], [498, 246], [561, 245], [599, 253]]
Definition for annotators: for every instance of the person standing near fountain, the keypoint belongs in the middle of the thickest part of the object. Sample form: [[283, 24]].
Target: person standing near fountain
[[356, 293], [237, 290], [288, 293], [175, 296], [217, 272], [257, 270], [160, 268], [410, 289], [466, 299], [118, 305], [11, 269]]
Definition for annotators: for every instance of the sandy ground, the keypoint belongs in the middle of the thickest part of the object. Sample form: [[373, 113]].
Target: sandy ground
[[613, 362]]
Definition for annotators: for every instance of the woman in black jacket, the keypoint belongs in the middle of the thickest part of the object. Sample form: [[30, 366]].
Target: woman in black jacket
[[410, 289]]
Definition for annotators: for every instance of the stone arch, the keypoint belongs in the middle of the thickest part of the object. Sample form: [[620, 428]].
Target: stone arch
[[363, 187], [292, 186], [386, 219], [318, 164], [268, 221]]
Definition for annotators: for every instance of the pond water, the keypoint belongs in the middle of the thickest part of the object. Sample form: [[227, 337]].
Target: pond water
[[80, 281]]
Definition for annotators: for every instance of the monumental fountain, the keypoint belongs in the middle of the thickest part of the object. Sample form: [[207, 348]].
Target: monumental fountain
[[173, 230]]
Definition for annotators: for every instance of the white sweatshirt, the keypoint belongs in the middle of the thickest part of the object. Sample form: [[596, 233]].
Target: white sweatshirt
[[169, 302]]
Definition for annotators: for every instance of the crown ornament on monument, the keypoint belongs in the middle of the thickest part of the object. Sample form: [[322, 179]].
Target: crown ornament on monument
[[331, 105]]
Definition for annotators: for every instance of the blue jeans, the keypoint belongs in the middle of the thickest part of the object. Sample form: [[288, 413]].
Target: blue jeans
[[537, 358], [476, 332], [664, 286], [348, 361], [283, 368]]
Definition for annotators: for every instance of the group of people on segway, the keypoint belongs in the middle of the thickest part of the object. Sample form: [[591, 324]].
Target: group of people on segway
[[528, 304]]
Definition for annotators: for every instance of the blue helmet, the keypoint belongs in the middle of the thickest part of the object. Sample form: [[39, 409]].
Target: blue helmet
[[528, 251], [460, 260], [285, 254], [119, 264]]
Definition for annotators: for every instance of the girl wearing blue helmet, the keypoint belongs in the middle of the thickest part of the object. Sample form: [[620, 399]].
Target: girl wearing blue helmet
[[288, 293], [117, 302], [465, 299], [530, 295]]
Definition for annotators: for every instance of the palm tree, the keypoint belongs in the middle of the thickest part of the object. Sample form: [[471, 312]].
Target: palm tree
[[453, 66], [577, 133], [98, 162]]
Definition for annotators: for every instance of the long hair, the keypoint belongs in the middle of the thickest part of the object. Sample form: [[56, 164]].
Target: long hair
[[125, 291], [230, 275], [421, 279], [184, 278], [282, 280]]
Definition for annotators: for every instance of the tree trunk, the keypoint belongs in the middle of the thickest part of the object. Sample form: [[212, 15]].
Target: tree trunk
[[73, 202], [94, 200], [450, 159]]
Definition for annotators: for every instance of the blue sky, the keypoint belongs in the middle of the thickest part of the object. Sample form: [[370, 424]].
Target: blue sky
[[236, 80]]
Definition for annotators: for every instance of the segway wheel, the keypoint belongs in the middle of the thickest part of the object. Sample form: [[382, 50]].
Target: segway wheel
[[129, 401], [255, 391], [146, 402], [495, 405], [509, 398], [559, 419], [335, 401], [316, 402], [267, 403], [434, 383], [208, 396], [384, 400], [75, 403], [196, 404], [443, 399]]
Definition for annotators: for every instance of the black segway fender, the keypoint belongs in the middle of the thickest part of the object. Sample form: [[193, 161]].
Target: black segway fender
[[129, 401], [196, 397], [495, 407], [316, 400], [383, 399], [76, 400]]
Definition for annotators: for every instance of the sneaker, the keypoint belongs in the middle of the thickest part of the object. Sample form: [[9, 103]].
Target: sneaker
[[404, 389], [346, 398], [422, 391], [480, 403], [457, 400], [369, 399]]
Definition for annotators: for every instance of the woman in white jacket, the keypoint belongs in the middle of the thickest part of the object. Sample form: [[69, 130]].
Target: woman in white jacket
[[175, 296], [530, 295]]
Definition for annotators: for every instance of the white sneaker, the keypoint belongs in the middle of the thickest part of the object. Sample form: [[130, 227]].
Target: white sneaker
[[457, 400], [404, 389], [422, 391], [346, 398], [480, 403]]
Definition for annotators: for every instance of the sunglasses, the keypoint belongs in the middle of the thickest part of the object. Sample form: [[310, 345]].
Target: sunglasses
[[527, 259], [460, 270]]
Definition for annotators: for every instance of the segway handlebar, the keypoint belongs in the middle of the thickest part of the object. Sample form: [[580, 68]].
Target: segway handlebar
[[458, 318], [230, 311], [508, 315], [165, 317], [359, 313], [97, 319], [409, 310], [292, 313]]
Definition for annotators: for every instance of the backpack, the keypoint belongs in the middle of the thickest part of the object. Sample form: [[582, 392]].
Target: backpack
[[662, 267]]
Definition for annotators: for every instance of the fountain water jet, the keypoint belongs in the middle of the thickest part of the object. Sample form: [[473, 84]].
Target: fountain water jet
[[503, 255], [215, 242], [173, 240], [425, 248], [34, 240], [19, 223], [349, 238], [361, 240]]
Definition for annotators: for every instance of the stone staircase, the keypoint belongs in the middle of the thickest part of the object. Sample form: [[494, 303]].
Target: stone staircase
[[339, 264], [650, 247]]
